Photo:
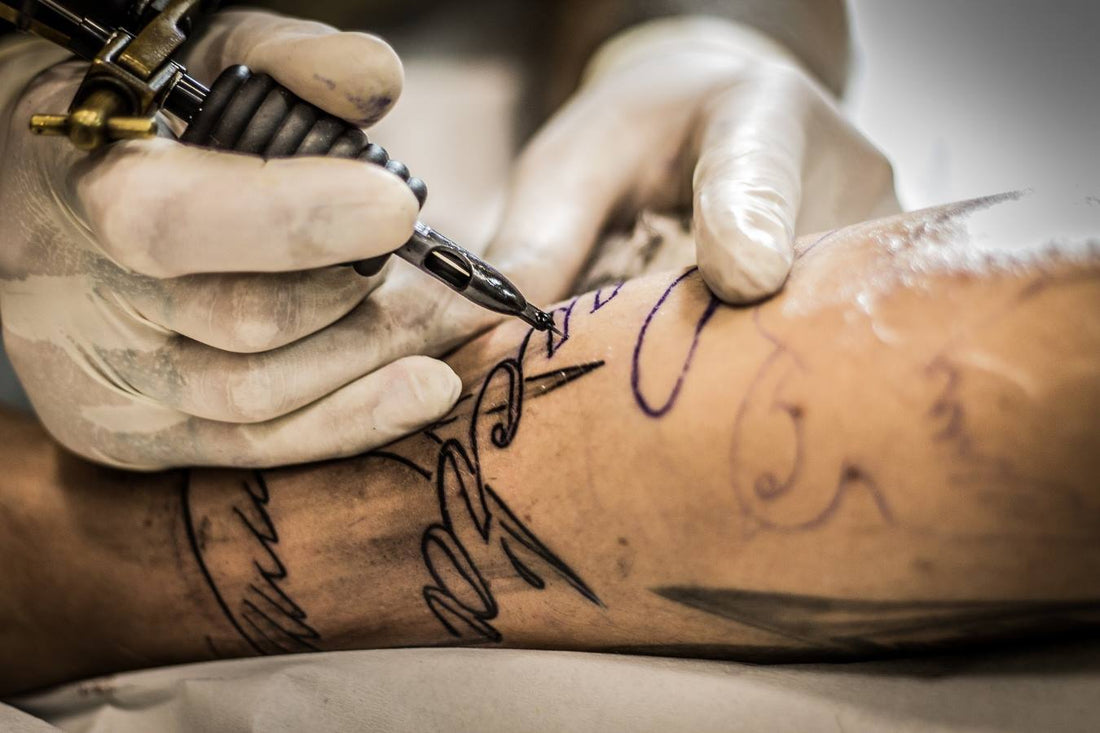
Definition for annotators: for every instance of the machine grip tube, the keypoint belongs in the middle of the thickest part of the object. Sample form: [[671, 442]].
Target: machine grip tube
[[254, 114]]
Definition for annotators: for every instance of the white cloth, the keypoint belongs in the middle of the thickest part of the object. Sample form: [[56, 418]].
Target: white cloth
[[1054, 690]]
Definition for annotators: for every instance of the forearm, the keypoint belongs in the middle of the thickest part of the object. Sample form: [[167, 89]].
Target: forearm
[[91, 580], [802, 478]]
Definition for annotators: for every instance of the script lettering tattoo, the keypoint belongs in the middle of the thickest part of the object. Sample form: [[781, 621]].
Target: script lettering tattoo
[[599, 300], [852, 628], [477, 529], [258, 608], [460, 596]]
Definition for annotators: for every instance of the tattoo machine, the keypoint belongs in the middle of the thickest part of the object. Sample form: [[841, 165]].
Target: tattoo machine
[[132, 77]]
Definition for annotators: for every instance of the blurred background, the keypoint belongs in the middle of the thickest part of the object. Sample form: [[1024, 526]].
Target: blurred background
[[976, 97]]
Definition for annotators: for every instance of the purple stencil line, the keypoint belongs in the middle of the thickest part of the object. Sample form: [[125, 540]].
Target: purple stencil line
[[636, 366]]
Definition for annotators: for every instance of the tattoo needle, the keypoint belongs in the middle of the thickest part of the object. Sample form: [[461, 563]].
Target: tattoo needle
[[470, 276]]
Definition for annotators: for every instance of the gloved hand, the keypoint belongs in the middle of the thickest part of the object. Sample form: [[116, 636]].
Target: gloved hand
[[165, 305], [704, 112]]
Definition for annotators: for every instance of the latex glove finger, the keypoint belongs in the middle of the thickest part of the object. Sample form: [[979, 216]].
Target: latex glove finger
[[355, 76], [162, 209], [251, 313], [616, 147], [200, 381], [777, 159], [747, 185], [371, 411]]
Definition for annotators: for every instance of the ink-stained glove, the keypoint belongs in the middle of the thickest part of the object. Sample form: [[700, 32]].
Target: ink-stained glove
[[705, 112], [165, 305]]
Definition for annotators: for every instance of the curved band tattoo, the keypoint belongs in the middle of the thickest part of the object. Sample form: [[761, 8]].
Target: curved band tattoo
[[261, 612]]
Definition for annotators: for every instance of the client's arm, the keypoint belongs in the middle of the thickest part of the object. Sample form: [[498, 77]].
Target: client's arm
[[899, 452]]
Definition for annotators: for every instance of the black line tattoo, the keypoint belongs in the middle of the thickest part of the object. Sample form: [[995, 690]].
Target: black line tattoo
[[475, 519], [407, 462], [261, 611], [477, 529]]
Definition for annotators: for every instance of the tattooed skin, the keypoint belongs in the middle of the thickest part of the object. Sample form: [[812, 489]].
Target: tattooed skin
[[475, 524], [260, 611], [786, 479], [843, 628], [473, 513], [659, 408]]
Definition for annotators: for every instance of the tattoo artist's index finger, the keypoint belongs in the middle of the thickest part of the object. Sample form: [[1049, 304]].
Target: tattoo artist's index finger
[[165, 209]]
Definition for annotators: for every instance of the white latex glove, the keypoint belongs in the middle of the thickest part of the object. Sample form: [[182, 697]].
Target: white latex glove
[[165, 305], [705, 112]]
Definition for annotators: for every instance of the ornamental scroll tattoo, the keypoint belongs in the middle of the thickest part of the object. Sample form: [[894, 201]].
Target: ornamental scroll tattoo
[[808, 486]]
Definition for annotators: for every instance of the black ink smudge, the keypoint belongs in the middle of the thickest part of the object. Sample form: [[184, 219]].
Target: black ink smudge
[[861, 628]]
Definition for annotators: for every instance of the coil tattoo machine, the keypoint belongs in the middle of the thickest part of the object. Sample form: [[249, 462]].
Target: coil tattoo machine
[[132, 76]]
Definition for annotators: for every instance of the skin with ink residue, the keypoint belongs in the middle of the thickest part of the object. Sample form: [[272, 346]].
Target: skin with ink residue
[[562, 317], [599, 300], [814, 491]]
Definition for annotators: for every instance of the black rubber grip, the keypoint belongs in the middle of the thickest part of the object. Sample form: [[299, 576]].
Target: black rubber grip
[[253, 113]]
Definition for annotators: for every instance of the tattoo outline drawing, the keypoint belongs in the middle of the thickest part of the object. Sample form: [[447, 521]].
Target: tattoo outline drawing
[[769, 499], [636, 361]]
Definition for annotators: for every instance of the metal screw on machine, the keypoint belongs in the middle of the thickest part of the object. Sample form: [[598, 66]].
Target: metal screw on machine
[[95, 123], [127, 81]]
